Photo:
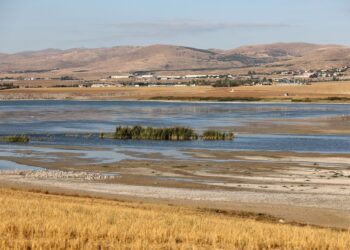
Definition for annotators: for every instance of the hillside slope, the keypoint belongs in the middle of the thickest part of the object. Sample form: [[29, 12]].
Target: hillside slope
[[175, 58]]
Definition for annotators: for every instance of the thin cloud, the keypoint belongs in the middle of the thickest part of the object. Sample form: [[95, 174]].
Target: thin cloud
[[188, 27]]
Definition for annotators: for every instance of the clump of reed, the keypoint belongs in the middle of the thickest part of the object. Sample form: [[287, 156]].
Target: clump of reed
[[149, 133], [213, 135], [167, 134], [16, 139]]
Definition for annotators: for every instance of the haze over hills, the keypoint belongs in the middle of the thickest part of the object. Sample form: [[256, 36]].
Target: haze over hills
[[176, 58]]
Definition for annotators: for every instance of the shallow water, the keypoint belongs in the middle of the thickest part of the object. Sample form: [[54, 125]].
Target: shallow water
[[47, 122], [9, 165], [96, 116]]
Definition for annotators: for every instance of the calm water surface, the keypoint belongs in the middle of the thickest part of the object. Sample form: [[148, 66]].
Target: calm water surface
[[48, 121]]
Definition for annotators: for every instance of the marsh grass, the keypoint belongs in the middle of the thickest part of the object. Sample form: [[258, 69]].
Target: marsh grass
[[208, 98], [43, 221], [149, 133], [328, 99], [16, 139], [166, 134], [210, 135]]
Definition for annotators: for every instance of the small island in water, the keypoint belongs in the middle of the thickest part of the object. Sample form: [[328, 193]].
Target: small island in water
[[167, 134]]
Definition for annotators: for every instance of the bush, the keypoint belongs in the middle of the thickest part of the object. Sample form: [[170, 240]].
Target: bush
[[17, 139], [210, 135], [148, 133]]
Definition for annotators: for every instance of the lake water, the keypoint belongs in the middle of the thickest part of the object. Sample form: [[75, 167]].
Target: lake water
[[48, 123]]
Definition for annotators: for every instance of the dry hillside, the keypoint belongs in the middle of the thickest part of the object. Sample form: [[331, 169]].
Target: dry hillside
[[174, 58]]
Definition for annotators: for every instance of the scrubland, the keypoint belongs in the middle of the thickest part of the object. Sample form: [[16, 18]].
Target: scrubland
[[43, 221]]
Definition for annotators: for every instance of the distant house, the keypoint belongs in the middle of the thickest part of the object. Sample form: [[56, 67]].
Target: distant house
[[306, 75], [105, 85], [121, 76], [196, 76], [146, 77], [164, 78]]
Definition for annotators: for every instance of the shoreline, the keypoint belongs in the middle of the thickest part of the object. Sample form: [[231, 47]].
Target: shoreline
[[265, 182], [273, 101], [324, 217]]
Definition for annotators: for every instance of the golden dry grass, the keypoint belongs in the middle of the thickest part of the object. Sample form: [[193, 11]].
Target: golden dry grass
[[39, 221], [316, 90]]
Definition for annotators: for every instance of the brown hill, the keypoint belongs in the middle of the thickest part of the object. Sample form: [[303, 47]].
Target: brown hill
[[174, 58]]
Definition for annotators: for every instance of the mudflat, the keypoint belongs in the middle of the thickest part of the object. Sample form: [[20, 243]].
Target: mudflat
[[307, 188]]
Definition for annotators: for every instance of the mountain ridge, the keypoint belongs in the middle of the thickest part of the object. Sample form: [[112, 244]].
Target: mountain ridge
[[163, 57]]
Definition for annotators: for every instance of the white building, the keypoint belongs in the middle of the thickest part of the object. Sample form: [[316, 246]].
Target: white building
[[164, 78], [105, 85], [196, 76], [121, 76], [146, 77]]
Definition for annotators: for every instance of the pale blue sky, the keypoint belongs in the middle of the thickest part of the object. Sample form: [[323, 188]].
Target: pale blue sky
[[41, 24]]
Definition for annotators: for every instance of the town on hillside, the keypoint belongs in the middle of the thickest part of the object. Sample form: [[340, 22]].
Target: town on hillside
[[154, 79]]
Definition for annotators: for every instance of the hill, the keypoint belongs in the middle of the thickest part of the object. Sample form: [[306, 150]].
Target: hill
[[171, 58]]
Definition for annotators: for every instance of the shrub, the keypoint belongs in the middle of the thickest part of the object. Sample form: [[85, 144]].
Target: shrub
[[17, 139], [148, 133], [217, 135]]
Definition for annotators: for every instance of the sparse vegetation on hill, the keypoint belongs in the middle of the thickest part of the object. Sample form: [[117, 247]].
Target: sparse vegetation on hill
[[69, 63]]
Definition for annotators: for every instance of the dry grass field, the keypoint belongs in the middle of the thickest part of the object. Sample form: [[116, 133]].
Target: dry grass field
[[43, 221], [266, 93]]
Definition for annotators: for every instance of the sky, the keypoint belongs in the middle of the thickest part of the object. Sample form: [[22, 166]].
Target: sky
[[222, 24]]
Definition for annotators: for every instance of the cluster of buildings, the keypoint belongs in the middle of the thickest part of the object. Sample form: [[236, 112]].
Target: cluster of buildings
[[152, 79], [291, 77], [312, 75], [165, 77]]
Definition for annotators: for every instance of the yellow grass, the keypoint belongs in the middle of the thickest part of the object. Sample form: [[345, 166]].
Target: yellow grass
[[39, 221], [316, 90]]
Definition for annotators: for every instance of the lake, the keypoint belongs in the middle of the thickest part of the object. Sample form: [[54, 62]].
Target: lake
[[52, 123]]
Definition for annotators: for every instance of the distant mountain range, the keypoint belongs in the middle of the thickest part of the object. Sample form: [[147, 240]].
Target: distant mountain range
[[175, 58]]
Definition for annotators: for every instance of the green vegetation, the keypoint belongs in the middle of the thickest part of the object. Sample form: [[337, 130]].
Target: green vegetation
[[233, 83], [303, 100], [328, 99], [148, 133], [167, 134], [211, 135], [337, 98], [16, 139], [8, 86], [215, 99]]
